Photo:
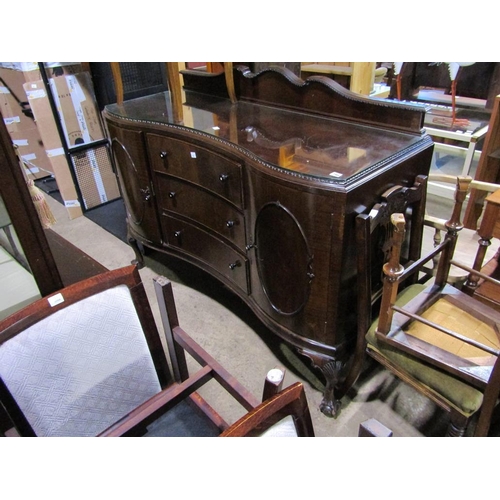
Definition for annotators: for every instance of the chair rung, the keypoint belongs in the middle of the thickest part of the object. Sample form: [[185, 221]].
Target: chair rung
[[489, 350], [473, 271]]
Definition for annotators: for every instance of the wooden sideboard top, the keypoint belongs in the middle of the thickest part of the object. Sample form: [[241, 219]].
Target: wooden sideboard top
[[315, 129]]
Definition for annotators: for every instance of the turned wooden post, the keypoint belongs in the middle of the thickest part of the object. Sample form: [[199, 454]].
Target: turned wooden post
[[174, 85], [228, 72], [392, 271], [453, 226], [362, 77], [117, 79], [485, 232], [273, 383]]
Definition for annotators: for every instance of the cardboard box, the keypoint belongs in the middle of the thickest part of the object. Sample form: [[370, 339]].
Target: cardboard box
[[46, 124], [75, 100], [37, 137], [23, 130], [66, 186], [79, 116], [96, 178], [76, 105], [17, 115], [31, 71]]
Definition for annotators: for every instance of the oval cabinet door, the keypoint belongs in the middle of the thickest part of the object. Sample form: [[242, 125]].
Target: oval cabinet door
[[283, 259]]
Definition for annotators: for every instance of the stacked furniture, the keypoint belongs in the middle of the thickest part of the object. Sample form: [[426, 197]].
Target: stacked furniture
[[262, 190], [440, 340]]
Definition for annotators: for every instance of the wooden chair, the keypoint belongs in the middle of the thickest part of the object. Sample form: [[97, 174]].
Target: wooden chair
[[481, 235], [435, 337], [89, 361], [174, 86]]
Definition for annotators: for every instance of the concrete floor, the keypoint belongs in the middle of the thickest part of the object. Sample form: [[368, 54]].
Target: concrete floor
[[229, 331]]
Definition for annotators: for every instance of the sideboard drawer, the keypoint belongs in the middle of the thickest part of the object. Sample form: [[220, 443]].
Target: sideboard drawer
[[203, 207], [198, 165], [203, 246]]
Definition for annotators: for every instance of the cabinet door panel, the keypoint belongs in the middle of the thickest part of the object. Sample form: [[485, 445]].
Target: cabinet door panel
[[203, 207], [197, 165], [135, 183], [283, 256], [292, 259]]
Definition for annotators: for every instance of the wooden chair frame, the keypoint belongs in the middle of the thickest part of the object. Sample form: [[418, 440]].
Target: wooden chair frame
[[174, 388], [174, 85], [485, 229], [393, 321]]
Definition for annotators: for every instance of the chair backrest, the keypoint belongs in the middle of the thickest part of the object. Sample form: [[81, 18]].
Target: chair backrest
[[75, 362], [373, 245], [487, 169], [286, 414], [174, 86], [374, 237]]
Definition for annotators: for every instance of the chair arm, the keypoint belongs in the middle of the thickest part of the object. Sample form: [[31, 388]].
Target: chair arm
[[290, 401], [219, 373]]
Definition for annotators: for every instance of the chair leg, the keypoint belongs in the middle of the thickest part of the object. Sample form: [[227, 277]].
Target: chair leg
[[169, 319], [273, 383], [457, 425], [373, 428], [117, 78]]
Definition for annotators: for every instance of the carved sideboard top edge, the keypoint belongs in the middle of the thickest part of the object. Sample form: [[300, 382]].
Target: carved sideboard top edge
[[289, 75], [297, 175]]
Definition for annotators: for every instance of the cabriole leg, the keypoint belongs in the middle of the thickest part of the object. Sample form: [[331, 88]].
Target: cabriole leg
[[331, 369]]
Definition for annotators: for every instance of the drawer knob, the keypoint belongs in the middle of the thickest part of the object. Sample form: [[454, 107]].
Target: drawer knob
[[230, 223], [163, 154], [171, 194], [223, 177], [177, 234], [234, 265]]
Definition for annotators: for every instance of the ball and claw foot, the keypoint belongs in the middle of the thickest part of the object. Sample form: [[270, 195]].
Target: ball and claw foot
[[330, 408], [137, 263], [330, 405], [139, 258]]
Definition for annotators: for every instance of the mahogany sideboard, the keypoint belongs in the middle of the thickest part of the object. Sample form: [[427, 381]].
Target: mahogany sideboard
[[262, 193]]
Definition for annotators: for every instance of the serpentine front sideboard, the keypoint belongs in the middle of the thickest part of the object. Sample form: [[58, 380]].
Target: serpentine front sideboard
[[262, 193]]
